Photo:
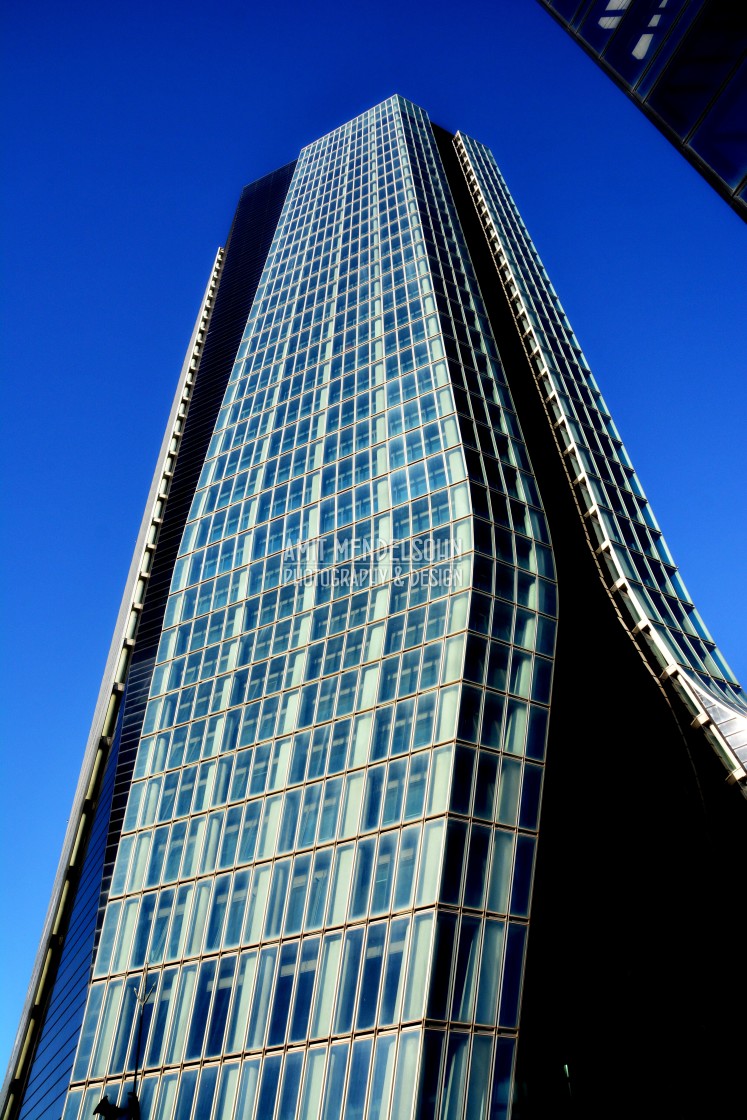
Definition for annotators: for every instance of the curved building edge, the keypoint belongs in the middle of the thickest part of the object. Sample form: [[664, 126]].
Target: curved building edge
[[677, 648]]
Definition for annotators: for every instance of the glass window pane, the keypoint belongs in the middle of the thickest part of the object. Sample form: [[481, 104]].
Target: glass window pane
[[267, 1091], [394, 973], [490, 971], [465, 975], [241, 1003], [479, 1078], [429, 871], [358, 1080], [88, 1031], [166, 1097], [362, 878], [127, 1018], [181, 1018], [333, 1093], [126, 932], [106, 942], [417, 971], [226, 1093], [198, 1018], [341, 877], [512, 973], [72, 1105], [161, 1016], [255, 910], [326, 985], [312, 1085], [407, 1066], [349, 976], [318, 888], [219, 1014], [454, 1082], [304, 989], [261, 1001], [291, 1085], [179, 924], [109, 1018], [283, 989], [187, 1085], [198, 917], [508, 791], [383, 1075], [371, 977]]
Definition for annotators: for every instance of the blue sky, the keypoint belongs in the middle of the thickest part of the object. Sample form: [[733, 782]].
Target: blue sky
[[128, 132]]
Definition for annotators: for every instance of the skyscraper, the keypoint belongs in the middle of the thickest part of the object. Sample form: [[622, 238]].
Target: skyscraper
[[682, 62], [304, 851]]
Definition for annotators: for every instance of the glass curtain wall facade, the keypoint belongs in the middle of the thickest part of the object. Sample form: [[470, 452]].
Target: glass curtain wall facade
[[683, 64], [309, 865], [323, 830]]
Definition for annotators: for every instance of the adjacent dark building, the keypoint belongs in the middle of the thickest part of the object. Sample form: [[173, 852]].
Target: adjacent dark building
[[684, 64], [413, 788]]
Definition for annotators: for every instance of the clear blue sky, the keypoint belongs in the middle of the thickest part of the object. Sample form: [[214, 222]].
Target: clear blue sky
[[128, 131]]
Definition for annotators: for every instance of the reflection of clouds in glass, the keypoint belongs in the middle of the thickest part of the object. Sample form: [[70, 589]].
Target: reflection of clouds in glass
[[641, 49], [609, 23]]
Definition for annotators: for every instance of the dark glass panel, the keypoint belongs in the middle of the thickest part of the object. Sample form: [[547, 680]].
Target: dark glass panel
[[512, 972], [372, 962], [721, 139], [702, 63], [441, 971]]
